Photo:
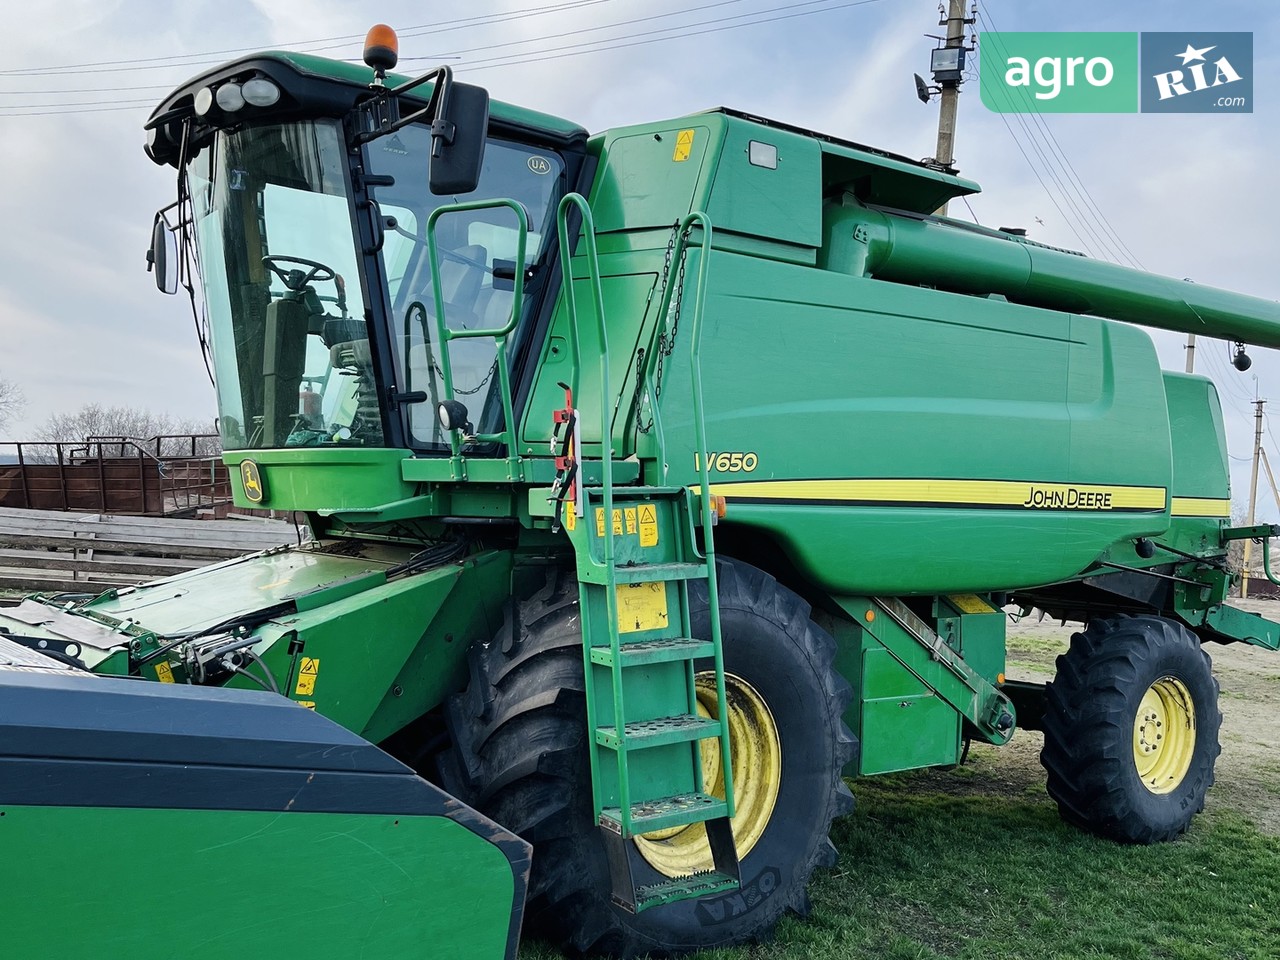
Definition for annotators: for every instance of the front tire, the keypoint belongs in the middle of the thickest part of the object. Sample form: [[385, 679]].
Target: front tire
[[519, 734], [1131, 729]]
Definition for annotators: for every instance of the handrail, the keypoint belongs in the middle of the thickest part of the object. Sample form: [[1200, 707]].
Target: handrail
[[497, 334], [606, 432], [700, 441], [575, 347]]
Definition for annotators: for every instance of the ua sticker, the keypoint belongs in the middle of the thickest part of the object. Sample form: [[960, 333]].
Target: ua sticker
[[251, 478]]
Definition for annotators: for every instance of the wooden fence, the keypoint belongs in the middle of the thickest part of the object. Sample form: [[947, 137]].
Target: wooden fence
[[87, 553], [157, 476]]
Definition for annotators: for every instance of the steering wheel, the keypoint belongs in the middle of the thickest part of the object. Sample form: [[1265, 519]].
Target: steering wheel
[[296, 279]]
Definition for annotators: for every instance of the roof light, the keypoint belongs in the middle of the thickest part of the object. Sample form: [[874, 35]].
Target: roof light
[[229, 97], [381, 49], [203, 101], [260, 92]]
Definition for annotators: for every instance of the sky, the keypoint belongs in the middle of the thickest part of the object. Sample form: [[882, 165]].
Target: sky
[[1186, 195]]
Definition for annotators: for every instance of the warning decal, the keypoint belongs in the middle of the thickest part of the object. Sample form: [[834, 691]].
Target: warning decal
[[642, 606], [164, 673], [684, 146], [307, 676], [970, 603], [648, 525]]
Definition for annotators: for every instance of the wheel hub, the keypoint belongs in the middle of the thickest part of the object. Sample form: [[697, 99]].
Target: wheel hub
[[1164, 735], [756, 752]]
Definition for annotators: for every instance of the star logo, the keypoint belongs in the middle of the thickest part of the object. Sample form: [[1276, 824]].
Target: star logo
[[1191, 53]]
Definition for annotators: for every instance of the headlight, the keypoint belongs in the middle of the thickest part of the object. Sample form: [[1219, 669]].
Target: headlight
[[260, 92], [230, 98], [203, 100]]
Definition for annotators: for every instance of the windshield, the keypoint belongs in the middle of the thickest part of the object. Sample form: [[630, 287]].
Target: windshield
[[477, 251], [278, 267]]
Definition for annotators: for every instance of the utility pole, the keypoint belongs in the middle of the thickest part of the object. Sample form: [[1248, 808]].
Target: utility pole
[[1253, 494], [1191, 353], [950, 97], [946, 63]]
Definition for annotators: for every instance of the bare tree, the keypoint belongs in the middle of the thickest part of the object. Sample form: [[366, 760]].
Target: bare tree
[[12, 400], [135, 423]]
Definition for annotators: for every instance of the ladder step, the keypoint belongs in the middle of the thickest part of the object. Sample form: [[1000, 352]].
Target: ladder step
[[644, 652], [650, 572], [665, 812], [658, 733], [681, 888]]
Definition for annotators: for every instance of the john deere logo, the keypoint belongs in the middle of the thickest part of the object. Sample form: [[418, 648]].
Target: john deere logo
[[251, 479]]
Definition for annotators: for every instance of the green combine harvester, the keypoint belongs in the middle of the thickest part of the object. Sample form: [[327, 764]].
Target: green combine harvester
[[657, 480]]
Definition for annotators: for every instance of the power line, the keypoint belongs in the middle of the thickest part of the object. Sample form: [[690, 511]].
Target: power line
[[715, 25], [443, 26], [556, 52], [528, 40], [1051, 169], [1018, 143], [1091, 207]]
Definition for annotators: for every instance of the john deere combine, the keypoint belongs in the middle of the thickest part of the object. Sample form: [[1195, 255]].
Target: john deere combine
[[657, 480]]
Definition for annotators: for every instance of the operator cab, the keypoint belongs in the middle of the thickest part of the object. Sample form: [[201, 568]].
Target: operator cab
[[334, 300]]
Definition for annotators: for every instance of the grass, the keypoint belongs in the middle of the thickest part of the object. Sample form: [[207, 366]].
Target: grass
[[934, 866]]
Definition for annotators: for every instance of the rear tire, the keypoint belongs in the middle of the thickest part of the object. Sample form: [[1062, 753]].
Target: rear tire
[[519, 756], [1131, 729]]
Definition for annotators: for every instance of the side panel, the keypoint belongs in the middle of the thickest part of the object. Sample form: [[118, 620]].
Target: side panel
[[1201, 501], [231, 884], [907, 440]]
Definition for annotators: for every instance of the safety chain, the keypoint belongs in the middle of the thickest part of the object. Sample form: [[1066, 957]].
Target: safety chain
[[435, 367], [666, 339]]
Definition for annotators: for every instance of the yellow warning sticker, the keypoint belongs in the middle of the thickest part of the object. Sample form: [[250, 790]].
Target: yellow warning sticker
[[164, 673], [648, 525], [617, 522], [684, 146], [969, 603], [630, 514], [642, 606], [307, 676], [570, 517], [309, 704]]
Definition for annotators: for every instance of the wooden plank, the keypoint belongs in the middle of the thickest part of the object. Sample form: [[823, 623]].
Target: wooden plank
[[54, 584], [192, 532], [50, 560], [135, 547]]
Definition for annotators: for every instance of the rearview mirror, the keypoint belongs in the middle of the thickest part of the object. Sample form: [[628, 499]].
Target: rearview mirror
[[458, 133], [162, 258]]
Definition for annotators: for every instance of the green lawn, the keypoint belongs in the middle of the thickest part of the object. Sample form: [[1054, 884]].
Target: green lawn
[[975, 864]]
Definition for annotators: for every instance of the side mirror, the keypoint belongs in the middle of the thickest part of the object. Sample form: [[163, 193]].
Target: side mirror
[[162, 258], [458, 134]]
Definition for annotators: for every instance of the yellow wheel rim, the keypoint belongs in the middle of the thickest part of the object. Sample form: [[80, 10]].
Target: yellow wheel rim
[[757, 772], [1164, 735]]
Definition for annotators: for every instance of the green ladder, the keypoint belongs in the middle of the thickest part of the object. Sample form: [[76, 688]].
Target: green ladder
[[637, 555]]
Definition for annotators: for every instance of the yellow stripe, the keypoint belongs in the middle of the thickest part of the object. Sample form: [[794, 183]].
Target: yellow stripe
[[1201, 507], [1003, 493]]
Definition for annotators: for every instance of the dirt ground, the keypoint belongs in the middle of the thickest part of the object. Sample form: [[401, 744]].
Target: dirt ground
[[1248, 772]]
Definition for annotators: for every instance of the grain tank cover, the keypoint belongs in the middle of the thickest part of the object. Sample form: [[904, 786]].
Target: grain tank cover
[[873, 175]]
